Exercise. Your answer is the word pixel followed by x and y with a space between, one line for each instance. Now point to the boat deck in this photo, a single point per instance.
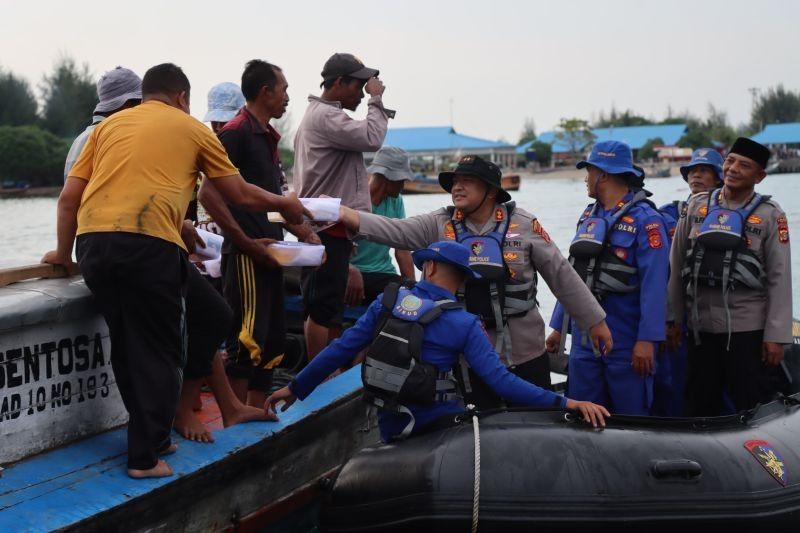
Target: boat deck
pixel 249 466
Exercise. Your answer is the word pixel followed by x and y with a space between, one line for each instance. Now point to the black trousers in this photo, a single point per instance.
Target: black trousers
pixel 713 370
pixel 139 285
pixel 257 342
pixel 209 320
pixel 536 371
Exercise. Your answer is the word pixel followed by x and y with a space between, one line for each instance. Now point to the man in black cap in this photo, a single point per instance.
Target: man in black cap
pixel 731 274
pixel 509 247
pixel 329 160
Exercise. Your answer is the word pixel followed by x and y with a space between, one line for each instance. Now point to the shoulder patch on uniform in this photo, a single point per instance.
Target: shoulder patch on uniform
pixel 652 226
pixel 754 219
pixel 449 231
pixel 628 219
pixel 703 211
pixel 539 230
pixel 654 236
pixel 783 229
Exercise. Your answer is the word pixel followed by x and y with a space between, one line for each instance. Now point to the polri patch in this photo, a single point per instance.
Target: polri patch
pixel 539 230
pixel 654 238
pixel 783 229
pixel 770 459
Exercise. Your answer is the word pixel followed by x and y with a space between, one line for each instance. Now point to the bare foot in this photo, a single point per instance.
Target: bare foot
pixel 172 448
pixel 197 405
pixel 190 428
pixel 246 413
pixel 162 469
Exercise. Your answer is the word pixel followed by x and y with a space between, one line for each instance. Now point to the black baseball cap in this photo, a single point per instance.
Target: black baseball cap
pixel 473 165
pixel 347 65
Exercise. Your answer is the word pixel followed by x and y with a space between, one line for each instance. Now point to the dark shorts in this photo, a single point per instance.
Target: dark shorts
pixel 324 287
pixel 375 283
pixel 257 341
pixel 208 322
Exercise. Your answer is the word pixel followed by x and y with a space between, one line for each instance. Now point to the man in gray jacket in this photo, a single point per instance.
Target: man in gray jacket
pixel 329 160
pixel 509 246
pixel 730 273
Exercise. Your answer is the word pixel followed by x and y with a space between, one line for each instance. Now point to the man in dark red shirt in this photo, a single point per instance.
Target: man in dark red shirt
pixel 253 288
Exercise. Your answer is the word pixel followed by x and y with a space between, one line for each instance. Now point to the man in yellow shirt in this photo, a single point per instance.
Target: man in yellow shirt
pixel 125 198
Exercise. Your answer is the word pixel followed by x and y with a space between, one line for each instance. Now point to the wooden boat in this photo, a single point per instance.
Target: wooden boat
pixel 62 458
pixel 546 471
pixel 425 185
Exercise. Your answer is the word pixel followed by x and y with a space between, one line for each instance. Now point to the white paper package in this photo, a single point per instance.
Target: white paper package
pixel 296 253
pixel 322 209
pixel 213 248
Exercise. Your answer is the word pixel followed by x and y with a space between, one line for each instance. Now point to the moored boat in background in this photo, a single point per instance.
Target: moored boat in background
pixel 422 184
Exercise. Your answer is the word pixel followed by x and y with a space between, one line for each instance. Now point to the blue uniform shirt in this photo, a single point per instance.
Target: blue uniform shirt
pixel 639 238
pixel 672 213
pixel 453 333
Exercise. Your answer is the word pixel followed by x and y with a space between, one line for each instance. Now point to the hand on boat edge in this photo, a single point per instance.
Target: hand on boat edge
pixel 284 395
pixel 592 413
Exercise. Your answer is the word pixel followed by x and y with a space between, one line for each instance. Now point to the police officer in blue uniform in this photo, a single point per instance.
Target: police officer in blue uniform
pixel 445 266
pixel 621 252
pixel 703 173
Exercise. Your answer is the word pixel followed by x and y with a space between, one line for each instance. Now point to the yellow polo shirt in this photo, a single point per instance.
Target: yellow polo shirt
pixel 141 165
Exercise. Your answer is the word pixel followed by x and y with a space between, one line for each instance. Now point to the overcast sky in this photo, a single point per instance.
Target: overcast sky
pixel 498 61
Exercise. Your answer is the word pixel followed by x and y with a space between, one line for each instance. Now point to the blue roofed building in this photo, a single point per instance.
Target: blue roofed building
pixel 441 145
pixel 772 134
pixel 635 136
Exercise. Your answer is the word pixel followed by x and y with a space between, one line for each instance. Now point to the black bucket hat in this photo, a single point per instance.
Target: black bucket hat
pixel 473 165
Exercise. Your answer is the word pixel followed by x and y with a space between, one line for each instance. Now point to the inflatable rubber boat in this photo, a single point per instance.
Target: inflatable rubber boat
pixel 526 470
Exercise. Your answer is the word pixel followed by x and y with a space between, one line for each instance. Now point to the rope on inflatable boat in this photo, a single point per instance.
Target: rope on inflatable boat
pixel 476 492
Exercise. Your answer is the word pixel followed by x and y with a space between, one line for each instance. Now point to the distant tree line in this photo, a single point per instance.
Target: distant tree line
pixel 36 133
pixel 775 105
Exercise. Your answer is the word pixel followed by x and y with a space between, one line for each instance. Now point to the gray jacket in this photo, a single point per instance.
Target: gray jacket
pixel 767 234
pixel 527 249
pixel 329 151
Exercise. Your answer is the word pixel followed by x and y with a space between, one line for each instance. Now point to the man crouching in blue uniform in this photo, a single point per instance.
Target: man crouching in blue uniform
pixel 451 333
pixel 621 251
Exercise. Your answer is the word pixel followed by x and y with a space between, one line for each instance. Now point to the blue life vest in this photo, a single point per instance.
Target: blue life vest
pixel 720 257
pixel 497 296
pixel 593 258
pixel 393 372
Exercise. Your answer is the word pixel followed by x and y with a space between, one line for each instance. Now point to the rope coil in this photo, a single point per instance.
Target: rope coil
pixel 476 493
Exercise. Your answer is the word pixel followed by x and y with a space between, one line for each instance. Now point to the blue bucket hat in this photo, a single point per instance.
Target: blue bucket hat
pixel 613 157
pixel 704 156
pixel 450 252
pixel 224 101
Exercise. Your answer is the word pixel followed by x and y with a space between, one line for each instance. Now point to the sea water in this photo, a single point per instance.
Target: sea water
pixel 29 224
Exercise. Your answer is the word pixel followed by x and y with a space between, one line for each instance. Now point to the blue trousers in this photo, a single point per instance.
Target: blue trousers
pixel 609 381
